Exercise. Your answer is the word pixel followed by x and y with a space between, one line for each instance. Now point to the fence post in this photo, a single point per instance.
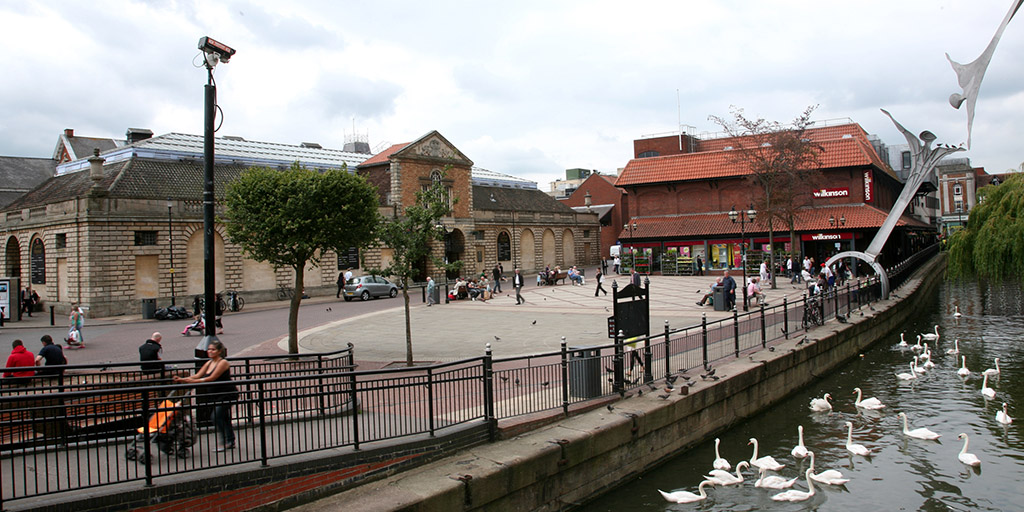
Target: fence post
pixel 620 371
pixel 804 321
pixel 668 352
pixel 430 400
pixel 835 301
pixel 736 330
pixel 248 406
pixel 849 303
pixel 320 381
pixel 353 397
pixel 262 397
pixel 648 373
pixel 565 379
pixel 704 336
pixel 147 454
pixel 489 394
pixel 764 333
pixel 785 317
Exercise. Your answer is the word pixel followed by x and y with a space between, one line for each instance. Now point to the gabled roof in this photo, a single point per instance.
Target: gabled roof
pixel 845 145
pixel 78 147
pixel 384 156
pixel 19 175
pixel 516 199
pixel 858 216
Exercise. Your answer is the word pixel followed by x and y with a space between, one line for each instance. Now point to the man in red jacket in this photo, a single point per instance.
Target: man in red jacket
pixel 20 358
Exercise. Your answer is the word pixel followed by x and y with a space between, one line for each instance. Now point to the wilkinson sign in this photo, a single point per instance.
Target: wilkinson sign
pixel 832 192
pixel 869 191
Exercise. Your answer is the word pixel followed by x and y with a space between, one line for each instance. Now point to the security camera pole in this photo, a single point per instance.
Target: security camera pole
pixel 213 52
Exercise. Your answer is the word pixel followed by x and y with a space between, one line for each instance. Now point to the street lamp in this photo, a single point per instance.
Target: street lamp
pixel 750 215
pixel 170 245
pixel 632 246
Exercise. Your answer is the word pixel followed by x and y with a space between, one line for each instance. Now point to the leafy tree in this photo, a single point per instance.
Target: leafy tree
pixel 288 218
pixel 409 234
pixel 782 161
pixel 992 243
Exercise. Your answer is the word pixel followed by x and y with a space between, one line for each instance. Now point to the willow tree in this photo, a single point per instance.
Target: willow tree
pixel 782 161
pixel 289 218
pixel 409 233
pixel 992 243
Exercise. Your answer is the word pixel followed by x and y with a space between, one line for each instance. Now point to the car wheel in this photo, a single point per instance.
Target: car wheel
pixel 394 293
pixel 348 299
pixel 365 296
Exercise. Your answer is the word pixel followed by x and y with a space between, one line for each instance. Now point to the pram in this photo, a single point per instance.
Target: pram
pixel 170 428
pixel 199 326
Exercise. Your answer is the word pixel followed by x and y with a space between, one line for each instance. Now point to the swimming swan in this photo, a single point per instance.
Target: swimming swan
pixel 918 433
pixel 686 496
pixel 767 462
pixel 967 458
pixel 856 449
pixel 796 495
pixel 720 463
pixel 829 476
pixel 821 404
pixel 1003 416
pixel 986 391
pixel 773 482
pixel 723 477
pixel 871 403
pixel 799 451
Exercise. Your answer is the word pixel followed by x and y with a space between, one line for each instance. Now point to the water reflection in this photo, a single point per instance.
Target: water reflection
pixel 902 472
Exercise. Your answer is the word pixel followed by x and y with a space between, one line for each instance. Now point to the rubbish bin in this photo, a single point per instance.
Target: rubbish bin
pixel 721 302
pixel 437 294
pixel 148 309
pixel 584 372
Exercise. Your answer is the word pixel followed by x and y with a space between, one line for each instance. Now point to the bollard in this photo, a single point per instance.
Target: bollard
pixel 51 316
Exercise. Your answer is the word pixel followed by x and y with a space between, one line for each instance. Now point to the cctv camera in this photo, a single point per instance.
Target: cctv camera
pixel 212 46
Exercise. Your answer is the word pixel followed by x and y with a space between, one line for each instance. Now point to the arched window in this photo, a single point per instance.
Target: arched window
pixel 504 247
pixel 37 257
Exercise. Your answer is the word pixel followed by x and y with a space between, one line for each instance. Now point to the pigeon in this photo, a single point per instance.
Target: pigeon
pixel 841 318
pixel 691 383
pixel 503 378
pixel 771 349
pixel 545 383
pixel 534 322
pixel 639 392
pixel 652 386
pixel 497 338
pixel 671 379
pixel 609 370
pixel 664 397
pixel 801 342
pixel 609 407
pixel 518 383
pixel 606 309
pixel 328 309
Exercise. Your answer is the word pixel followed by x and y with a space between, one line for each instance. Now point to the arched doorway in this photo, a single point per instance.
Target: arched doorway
pixel 527 251
pixel 13 258
pixel 454 249
pixel 568 248
pixel 548 255
pixel 504 248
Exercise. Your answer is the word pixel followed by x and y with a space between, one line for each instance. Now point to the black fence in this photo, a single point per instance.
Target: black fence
pixel 93 427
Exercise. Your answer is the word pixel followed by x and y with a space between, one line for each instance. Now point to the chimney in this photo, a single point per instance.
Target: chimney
pixel 69 132
pixel 96 168
pixel 134 135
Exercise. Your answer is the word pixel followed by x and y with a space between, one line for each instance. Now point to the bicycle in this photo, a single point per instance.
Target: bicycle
pixel 285 292
pixel 235 302
pixel 812 313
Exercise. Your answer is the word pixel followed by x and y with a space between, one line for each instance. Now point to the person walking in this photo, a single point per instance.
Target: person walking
pixel 77 321
pixel 221 395
pixel 20 358
pixel 517 284
pixel 615 264
pixel 341 285
pixel 151 351
pixel 600 281
pixel 431 286
pixel 50 355
pixel 496 275
pixel 635 278
pixel 26 301
pixel 700 265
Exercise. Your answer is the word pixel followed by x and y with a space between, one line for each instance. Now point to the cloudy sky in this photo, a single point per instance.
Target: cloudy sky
pixel 528 88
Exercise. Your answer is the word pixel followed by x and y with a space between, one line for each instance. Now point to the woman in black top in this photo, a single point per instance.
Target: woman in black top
pixel 223 394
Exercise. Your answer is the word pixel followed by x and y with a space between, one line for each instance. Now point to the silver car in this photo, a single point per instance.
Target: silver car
pixel 365 287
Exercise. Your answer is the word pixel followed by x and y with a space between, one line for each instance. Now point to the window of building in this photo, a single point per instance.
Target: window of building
pixel 435 178
pixel 958 189
pixel 648 154
pixel 61 241
pixel 586 233
pixel 958 206
pixel 38 259
pixel 504 247
pixel 145 238
pixel 906 159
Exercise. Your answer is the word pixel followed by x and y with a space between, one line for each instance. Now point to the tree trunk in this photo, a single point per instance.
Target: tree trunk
pixel 408 323
pixel 293 311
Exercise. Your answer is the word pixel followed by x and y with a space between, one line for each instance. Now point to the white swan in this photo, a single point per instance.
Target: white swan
pixel 992 371
pixel 967 458
pixel 829 476
pixel 926 353
pixel 956 312
pixel 723 477
pixel 927 336
pixel 821 404
pixel 795 495
pixel 903 342
pixel 917 368
pixel 1003 416
pixel 799 451
pixel 686 496
pixel 928 360
pixel 963 371
pixel 986 391
pixel 767 462
pixel 856 449
pixel 871 403
pixel 720 463
pixel 908 376
pixel 956 348
pixel 918 433
pixel 917 347
pixel 773 482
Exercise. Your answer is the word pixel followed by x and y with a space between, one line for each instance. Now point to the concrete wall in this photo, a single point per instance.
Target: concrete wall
pixel 581 457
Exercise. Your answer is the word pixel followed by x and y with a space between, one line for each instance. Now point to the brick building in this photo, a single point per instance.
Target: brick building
pixel 598 194
pixel 679 190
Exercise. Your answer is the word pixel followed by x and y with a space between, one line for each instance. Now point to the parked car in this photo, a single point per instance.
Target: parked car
pixel 365 287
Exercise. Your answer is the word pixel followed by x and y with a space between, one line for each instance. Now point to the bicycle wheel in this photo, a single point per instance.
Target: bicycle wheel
pixel 281 294
pixel 239 303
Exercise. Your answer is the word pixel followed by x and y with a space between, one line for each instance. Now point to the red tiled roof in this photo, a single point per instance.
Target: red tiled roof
pixel 858 216
pixel 383 156
pixel 842 146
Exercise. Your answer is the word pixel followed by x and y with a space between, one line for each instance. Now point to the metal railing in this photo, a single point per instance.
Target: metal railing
pixel 87 428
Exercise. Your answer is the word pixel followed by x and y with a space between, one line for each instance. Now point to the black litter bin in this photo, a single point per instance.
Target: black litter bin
pixel 437 294
pixel 721 302
pixel 148 309
pixel 584 372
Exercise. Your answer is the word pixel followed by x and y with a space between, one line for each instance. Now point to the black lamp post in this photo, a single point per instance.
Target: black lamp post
pixel 750 215
pixel 170 246
pixel 444 230
pixel 632 246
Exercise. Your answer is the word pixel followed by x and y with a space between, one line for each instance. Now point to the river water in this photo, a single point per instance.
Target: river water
pixel 903 473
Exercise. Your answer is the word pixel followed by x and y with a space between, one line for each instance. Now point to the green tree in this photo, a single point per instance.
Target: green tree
pixel 992 243
pixel 288 218
pixel 409 234
pixel 782 161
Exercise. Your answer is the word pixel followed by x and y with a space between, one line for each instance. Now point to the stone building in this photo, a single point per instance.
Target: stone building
pixel 126 224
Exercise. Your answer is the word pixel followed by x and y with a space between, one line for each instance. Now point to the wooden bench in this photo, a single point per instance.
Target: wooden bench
pixel 554 279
